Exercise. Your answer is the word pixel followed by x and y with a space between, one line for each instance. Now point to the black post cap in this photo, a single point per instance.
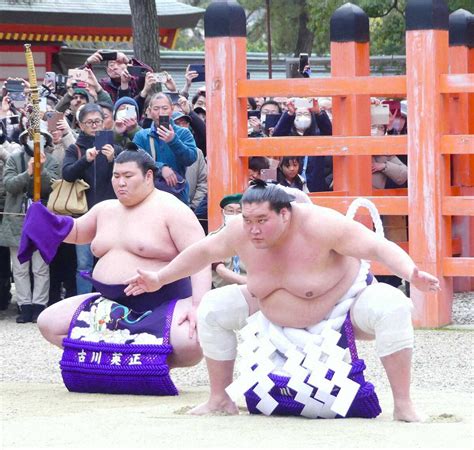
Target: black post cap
pixel 349 23
pixel 461 28
pixel 224 18
pixel 426 15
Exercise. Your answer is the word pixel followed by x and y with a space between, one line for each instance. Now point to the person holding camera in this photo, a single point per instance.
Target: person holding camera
pixel 305 118
pixel 93 165
pixel 125 115
pixel 172 147
pixel 76 96
pixel 18 183
pixel 121 81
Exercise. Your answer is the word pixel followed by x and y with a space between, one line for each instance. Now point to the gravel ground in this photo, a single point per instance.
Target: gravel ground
pixel 443 357
pixel 36 410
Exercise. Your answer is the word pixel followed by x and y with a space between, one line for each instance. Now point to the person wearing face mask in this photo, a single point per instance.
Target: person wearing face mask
pixel 303 121
pixel 18 183
pixel 230 270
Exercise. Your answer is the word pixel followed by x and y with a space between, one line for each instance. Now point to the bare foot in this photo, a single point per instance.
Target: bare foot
pixel 405 412
pixel 216 406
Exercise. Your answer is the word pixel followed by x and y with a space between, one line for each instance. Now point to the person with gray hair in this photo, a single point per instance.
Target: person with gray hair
pixel 93 165
pixel 172 147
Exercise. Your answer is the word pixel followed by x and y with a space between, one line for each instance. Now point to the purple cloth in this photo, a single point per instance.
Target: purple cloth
pixel 148 300
pixel 43 231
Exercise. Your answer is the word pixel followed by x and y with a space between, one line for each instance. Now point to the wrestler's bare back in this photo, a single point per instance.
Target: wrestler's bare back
pixel 127 238
pixel 296 284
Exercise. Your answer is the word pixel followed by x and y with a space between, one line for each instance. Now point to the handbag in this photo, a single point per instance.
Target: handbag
pixel 68 198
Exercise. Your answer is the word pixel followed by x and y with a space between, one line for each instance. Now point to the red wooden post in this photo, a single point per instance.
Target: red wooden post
pixel 226 63
pixel 428 171
pixel 349 31
pixel 461 38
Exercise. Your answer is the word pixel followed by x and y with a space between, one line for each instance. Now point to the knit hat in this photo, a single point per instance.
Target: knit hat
pixel 125 101
pixel 228 199
pixel 83 92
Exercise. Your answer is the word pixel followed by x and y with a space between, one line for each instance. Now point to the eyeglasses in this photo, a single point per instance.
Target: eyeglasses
pixel 96 122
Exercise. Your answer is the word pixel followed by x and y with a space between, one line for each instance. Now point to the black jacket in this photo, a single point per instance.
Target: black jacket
pixel 97 174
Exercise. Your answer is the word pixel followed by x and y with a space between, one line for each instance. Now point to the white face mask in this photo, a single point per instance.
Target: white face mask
pixel 375 131
pixel 302 122
pixel 228 218
pixel 31 145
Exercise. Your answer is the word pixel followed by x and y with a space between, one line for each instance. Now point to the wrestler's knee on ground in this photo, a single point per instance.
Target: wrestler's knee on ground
pixel 55 319
pixel 221 312
pixel 385 312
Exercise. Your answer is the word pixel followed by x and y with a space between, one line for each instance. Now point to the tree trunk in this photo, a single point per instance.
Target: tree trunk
pixel 304 43
pixel 145 27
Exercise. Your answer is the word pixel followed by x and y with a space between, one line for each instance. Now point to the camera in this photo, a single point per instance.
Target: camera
pixel 128 112
pixel 161 77
pixel 78 74
pixel 14 86
pixel 253 113
pixel 200 69
pixel 380 114
pixel 164 121
pixel 108 55
pixel 137 71
pixel 304 61
pixel 304 103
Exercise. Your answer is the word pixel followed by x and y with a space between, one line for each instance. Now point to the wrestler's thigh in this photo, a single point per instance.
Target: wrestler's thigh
pixel 180 333
pixel 186 350
pixel 55 319
pixel 361 307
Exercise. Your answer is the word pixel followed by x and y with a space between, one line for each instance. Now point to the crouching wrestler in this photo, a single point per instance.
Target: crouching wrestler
pixel 143 227
pixel 301 260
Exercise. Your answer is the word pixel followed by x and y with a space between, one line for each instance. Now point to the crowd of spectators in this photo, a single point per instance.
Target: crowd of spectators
pixel 135 107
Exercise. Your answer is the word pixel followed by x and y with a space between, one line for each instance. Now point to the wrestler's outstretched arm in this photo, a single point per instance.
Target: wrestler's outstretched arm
pixel 354 239
pixel 191 260
pixel 85 227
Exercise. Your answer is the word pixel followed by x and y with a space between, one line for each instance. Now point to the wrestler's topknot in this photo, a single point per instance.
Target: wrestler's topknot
pixel 138 155
pixel 261 192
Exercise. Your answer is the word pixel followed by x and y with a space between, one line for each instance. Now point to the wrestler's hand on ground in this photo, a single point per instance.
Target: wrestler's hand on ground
pixel 191 316
pixel 144 281
pixel 424 281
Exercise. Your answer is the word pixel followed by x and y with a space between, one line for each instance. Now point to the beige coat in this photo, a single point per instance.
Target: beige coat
pixel 396 170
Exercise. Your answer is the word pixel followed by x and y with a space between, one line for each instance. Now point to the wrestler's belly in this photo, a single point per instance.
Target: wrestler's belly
pixel 286 309
pixel 118 265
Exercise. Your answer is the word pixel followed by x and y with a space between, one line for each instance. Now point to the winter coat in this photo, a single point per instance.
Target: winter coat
pixel 97 174
pixel 19 187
